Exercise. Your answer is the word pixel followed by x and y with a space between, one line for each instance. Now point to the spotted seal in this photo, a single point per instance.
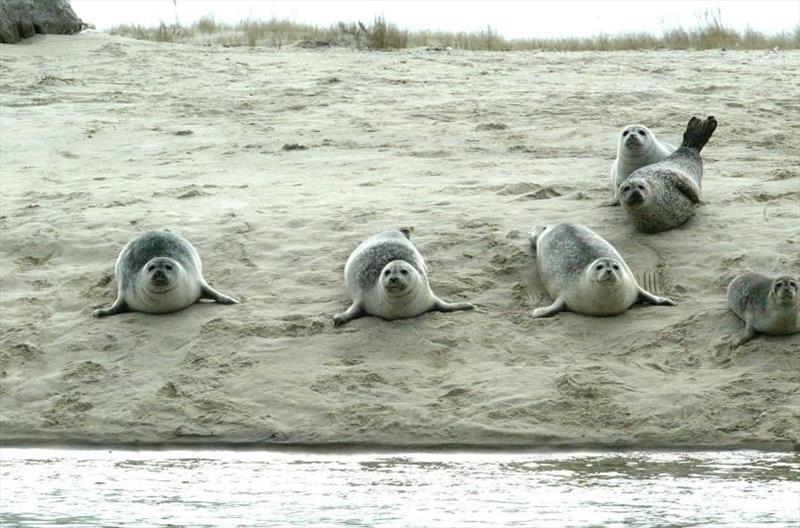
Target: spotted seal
pixel 767 305
pixel 583 273
pixel 663 195
pixel 159 272
pixel 637 147
pixel 386 276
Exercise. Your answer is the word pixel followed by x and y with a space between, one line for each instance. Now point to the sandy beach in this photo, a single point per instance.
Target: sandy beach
pixel 277 163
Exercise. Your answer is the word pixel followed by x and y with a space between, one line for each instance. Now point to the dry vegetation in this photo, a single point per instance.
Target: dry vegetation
pixel 710 33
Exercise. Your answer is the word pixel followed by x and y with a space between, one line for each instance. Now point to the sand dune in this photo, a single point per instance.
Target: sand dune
pixel 277 163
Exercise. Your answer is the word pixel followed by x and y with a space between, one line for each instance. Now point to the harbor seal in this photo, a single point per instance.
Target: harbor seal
pixel 583 273
pixel 767 305
pixel 159 272
pixel 637 147
pixel 386 276
pixel 663 195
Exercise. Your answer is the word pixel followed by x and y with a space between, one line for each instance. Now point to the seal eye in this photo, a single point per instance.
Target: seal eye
pixel 625 133
pixel 387 272
pixel 404 272
pixel 641 133
pixel 169 267
pixel 616 267
pixel 599 266
pixel 151 268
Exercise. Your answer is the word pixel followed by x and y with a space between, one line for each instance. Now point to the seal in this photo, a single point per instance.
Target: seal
pixel 637 147
pixel 767 305
pixel 159 272
pixel 386 276
pixel 583 273
pixel 663 195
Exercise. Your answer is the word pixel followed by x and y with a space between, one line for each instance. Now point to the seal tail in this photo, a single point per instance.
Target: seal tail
pixel 698 132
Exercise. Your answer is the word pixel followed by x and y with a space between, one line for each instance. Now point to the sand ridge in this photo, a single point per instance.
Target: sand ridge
pixel 105 137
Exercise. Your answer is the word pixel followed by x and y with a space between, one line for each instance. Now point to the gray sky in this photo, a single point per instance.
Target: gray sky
pixel 512 19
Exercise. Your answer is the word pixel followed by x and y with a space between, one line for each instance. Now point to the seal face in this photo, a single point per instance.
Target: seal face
pixel 583 273
pixel 159 272
pixel 767 305
pixel 637 147
pixel 663 195
pixel 386 276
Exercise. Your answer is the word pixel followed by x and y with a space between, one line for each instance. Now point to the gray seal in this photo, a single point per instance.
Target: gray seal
pixel 663 195
pixel 767 305
pixel 159 272
pixel 583 273
pixel 386 276
pixel 637 147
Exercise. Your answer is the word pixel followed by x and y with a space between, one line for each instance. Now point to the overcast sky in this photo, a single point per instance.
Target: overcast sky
pixel 511 19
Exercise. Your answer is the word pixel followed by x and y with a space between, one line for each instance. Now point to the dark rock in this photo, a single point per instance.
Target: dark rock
pixel 21 19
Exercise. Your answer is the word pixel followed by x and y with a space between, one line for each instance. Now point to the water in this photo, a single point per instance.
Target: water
pixel 48 487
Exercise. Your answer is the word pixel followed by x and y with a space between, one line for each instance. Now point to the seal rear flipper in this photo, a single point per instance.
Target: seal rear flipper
pixel 207 292
pixel 558 306
pixel 119 306
pixel 442 306
pixel 698 132
pixel 354 312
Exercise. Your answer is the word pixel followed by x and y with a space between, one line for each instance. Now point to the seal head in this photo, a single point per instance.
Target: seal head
pixel 634 192
pixel 784 289
pixel 397 278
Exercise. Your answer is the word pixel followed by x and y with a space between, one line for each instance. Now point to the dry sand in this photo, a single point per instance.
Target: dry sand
pixel 104 137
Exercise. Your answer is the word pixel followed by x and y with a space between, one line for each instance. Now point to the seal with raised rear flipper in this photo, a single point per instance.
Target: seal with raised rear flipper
pixel 637 147
pixel 664 195
pixel 159 272
pixel 583 273
pixel 767 305
pixel 386 276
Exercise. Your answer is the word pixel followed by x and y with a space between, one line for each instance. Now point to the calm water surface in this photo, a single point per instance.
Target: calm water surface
pixel 48 487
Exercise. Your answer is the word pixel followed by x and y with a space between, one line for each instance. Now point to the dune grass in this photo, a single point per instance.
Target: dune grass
pixel 710 33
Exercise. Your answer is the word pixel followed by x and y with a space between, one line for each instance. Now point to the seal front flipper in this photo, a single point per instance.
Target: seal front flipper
pixel 647 297
pixel 749 333
pixel 558 306
pixel 441 306
pixel 207 292
pixel 118 307
pixel 354 312
pixel 685 185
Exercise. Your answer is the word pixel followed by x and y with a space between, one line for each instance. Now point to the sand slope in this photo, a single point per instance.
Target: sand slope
pixel 103 137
